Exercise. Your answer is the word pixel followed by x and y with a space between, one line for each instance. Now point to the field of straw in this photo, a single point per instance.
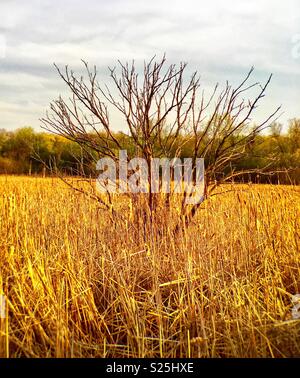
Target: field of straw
pixel 79 286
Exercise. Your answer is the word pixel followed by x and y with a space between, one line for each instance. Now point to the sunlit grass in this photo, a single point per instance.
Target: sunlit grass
pixel 79 286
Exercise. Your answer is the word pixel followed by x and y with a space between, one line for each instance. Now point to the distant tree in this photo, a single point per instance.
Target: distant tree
pixel 294 133
pixel 276 129
pixel 22 144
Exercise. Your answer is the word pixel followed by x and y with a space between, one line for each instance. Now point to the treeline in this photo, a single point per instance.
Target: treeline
pixel 26 151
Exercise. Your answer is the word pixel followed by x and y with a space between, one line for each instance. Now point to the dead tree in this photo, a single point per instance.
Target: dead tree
pixel 164 110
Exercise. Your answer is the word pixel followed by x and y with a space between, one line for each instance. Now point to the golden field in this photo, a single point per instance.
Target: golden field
pixel 78 285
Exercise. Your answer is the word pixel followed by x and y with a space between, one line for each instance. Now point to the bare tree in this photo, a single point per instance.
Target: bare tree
pixel 164 111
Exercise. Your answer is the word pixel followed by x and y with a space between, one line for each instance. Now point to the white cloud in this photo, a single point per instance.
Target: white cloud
pixel 221 39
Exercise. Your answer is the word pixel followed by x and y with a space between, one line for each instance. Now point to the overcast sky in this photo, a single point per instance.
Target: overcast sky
pixel 220 39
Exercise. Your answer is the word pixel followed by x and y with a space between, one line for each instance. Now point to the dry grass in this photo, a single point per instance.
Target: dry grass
pixel 78 286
